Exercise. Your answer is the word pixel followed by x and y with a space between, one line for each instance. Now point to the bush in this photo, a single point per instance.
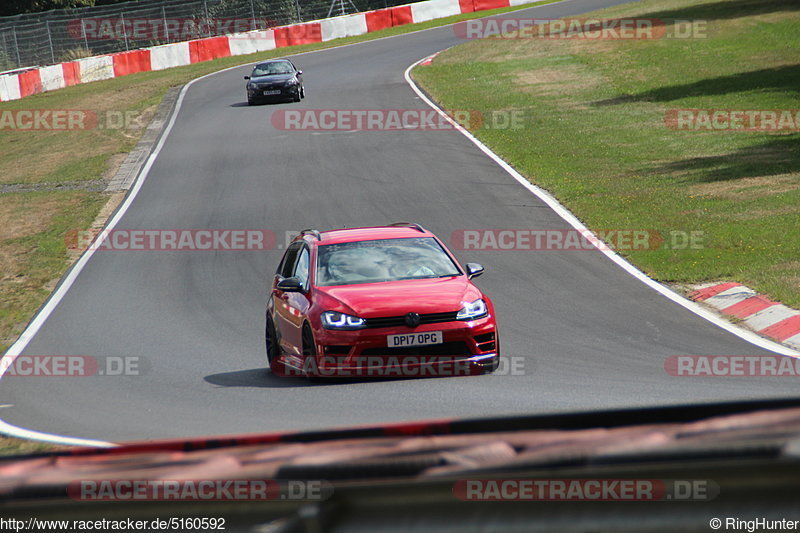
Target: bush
pixel 73 54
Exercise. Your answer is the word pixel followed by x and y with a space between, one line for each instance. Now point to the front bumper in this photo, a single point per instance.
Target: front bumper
pixel 286 92
pixel 468 348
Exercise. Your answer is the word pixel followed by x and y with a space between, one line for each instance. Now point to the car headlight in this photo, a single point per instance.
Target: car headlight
pixel 291 81
pixel 335 320
pixel 473 310
pixel 251 85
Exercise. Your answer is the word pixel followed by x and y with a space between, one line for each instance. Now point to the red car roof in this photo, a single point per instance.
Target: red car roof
pixel 365 234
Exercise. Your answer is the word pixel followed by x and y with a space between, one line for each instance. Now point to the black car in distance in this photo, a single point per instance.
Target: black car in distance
pixel 274 80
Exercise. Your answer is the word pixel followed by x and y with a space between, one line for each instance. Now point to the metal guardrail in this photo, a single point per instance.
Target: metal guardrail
pixel 67 34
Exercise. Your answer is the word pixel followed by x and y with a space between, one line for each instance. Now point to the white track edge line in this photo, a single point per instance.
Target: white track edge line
pixel 29 434
pixel 572 220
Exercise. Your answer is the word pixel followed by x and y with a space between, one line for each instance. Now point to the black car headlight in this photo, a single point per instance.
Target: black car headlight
pixel 473 310
pixel 341 321
pixel 291 82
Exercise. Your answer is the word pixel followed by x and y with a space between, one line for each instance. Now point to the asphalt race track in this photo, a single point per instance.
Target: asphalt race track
pixel 591 335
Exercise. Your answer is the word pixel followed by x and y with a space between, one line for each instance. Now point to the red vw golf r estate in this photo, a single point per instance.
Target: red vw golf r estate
pixel 387 301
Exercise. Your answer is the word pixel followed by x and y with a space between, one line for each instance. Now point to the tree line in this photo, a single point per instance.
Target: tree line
pixel 18 7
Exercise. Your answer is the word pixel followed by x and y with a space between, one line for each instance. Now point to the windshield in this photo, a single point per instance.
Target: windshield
pixel 382 260
pixel 270 69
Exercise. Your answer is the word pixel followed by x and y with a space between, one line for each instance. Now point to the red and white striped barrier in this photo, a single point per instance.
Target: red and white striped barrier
pixel 169 55
pixel 95 68
pixel 768 318
pixel 251 42
pixel 9 88
pixel 437 9
pixel 53 77
pixel 344 26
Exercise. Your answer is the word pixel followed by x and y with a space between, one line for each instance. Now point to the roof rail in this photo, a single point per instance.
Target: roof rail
pixel 409 225
pixel 313 232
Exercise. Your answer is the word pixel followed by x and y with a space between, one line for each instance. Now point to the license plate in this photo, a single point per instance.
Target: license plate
pixel 415 339
pixel 270 93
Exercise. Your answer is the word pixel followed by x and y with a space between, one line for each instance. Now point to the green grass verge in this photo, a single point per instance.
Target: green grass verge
pixel 9 446
pixel 595 135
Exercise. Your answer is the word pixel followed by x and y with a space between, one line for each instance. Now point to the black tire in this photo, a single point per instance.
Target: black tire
pixel 297 96
pixel 309 350
pixel 270 340
pixel 309 346
pixel 250 101
pixel 302 91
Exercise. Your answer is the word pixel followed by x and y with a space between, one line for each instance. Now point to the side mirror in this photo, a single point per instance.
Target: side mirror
pixel 247 77
pixel 299 72
pixel 290 285
pixel 474 270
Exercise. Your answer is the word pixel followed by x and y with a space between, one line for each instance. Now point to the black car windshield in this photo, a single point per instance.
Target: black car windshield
pixel 382 260
pixel 270 69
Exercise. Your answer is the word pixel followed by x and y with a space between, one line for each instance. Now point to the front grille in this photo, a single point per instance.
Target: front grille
pixel 456 348
pixel 394 321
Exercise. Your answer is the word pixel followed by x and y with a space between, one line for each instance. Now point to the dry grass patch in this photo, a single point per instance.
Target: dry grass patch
pixel 114 199
pixel 558 80
pixel 498 50
pixel 789 265
pixel 592 46
pixel 22 215
pixel 54 148
pixel 746 188
pixel 16 166
pixel 33 255
pixel 763 213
